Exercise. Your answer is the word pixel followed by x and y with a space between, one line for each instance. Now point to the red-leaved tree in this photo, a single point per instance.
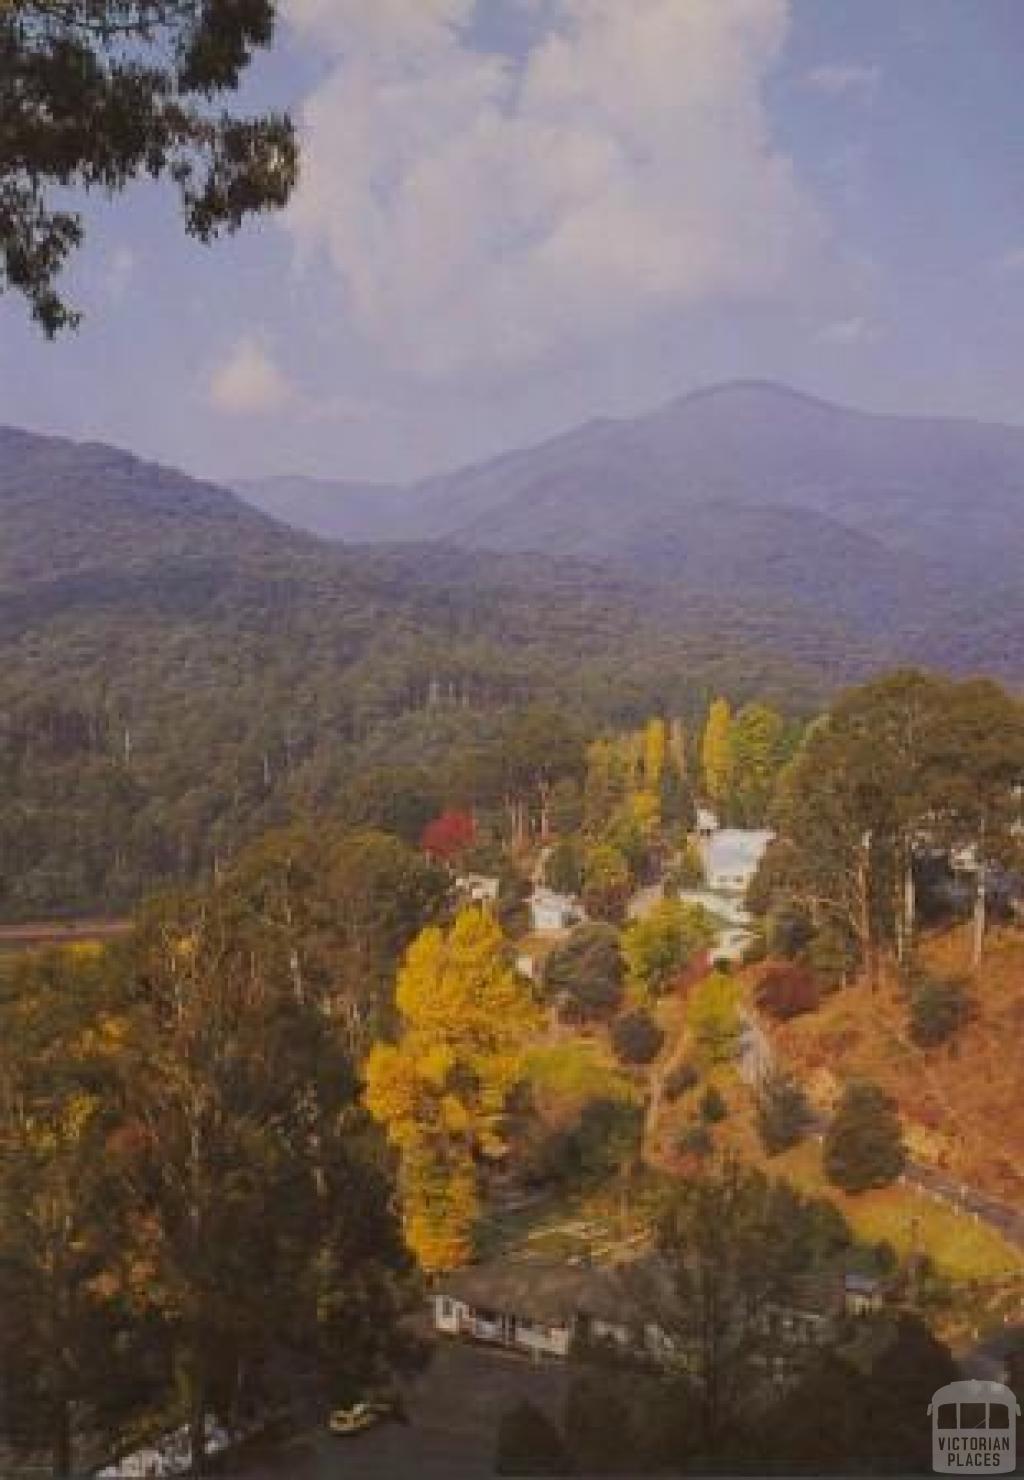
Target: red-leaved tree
pixel 449 835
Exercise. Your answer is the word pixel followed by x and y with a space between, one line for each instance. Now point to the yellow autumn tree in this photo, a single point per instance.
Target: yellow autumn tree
pixel 655 752
pixel 716 751
pixel 441 1090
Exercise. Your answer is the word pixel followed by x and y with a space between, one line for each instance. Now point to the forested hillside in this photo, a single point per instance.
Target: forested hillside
pixel 179 672
pixel 907 530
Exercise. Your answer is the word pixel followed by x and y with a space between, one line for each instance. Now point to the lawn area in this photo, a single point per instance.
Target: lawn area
pixel 907 1219
pixel 576 1069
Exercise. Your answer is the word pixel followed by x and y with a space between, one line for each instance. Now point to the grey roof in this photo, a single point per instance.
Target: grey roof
pixel 735 850
pixel 545 1291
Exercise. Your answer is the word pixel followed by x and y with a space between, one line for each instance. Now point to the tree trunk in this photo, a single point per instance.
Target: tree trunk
pixel 867 932
pixel 979 921
pixel 909 902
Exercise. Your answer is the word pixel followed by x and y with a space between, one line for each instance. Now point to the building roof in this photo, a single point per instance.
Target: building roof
pixel 551 1292
pixel 735 851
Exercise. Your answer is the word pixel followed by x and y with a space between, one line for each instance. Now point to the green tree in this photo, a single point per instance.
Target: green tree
pixel 658 946
pixel 583 976
pixel 606 882
pixel 713 1018
pixel 784 1116
pixel 939 1008
pixel 864 1143
pixel 71 1343
pixel 260 1207
pixel 146 75
pixel 756 750
pixel 736 1247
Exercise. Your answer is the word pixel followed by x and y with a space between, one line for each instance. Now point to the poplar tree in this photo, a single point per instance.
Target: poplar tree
pixel 441 1090
pixel 717 753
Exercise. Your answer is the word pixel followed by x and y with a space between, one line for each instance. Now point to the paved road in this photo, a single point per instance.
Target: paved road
pixel 454 1410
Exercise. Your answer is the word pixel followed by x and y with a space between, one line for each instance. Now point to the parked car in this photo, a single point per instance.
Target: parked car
pixel 346 1423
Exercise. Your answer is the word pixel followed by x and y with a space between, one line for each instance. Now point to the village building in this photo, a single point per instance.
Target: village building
pixel 478 888
pixel 551 912
pixel 732 857
pixel 536 1307
pixel 543 1308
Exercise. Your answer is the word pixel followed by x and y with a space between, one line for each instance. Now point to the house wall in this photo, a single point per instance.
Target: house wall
pixel 456 1318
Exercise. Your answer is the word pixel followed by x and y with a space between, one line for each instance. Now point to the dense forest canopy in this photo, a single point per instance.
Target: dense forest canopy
pixel 179 673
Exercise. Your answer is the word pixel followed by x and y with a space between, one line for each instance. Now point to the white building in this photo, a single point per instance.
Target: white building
pixel 732 857
pixel 478 888
pixel 533 1306
pixel 707 822
pixel 551 912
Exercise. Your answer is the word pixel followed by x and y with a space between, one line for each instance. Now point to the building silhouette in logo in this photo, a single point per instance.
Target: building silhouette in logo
pixel 974 1429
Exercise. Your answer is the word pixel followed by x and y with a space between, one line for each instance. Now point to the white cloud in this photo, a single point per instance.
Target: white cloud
pixel 248 383
pixel 483 213
pixel 846 79
pixel 852 331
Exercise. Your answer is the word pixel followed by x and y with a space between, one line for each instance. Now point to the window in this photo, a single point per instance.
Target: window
pixel 947 1416
pixel 998 1416
pixel 972 1416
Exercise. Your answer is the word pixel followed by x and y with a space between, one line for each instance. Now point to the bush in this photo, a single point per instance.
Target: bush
pixel 605 1138
pixel 938 1010
pixel 529 1443
pixel 789 931
pixel 713 1017
pixel 786 991
pixel 783 1114
pixel 712 1106
pixel 636 1038
pixel 695 1140
pixel 864 1145
pixel 682 1079
pixel 583 977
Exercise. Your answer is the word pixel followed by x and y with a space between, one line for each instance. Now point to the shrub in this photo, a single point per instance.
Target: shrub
pixel 864 1145
pixel 695 1140
pixel 712 1106
pixel 786 990
pixel 783 1114
pixel 529 1443
pixel 607 882
pixel 682 1079
pixel 789 931
pixel 938 1010
pixel 605 1137
pixel 636 1038
pixel 583 977
pixel 713 1017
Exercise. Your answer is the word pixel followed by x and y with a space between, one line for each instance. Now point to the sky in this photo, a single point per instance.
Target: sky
pixel 516 215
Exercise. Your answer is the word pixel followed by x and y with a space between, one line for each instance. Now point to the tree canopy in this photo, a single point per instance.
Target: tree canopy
pixel 96 93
